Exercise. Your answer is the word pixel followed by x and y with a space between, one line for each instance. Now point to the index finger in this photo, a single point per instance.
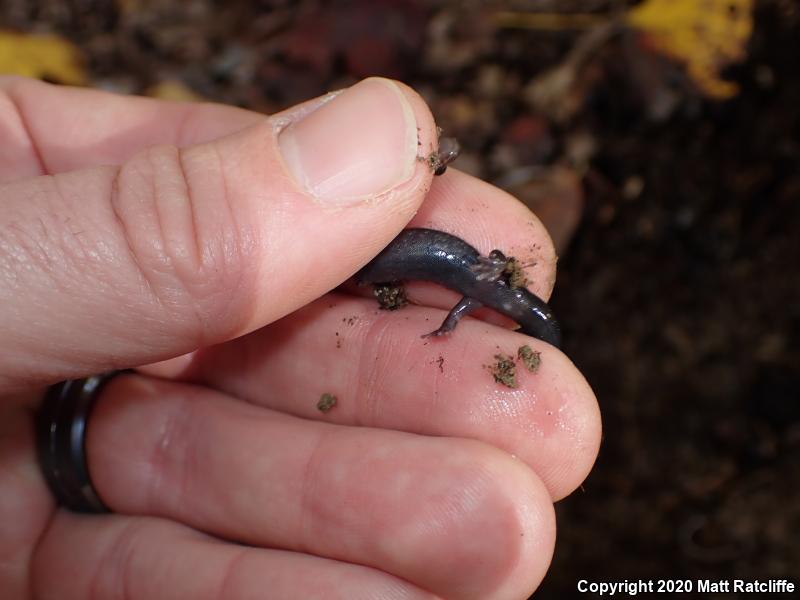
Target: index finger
pixel 51 129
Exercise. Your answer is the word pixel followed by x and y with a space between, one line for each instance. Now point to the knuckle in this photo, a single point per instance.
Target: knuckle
pixel 118 571
pixel 174 463
pixel 182 235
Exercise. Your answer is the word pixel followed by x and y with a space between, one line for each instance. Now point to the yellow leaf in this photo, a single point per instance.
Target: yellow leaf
pixel 706 35
pixel 41 56
pixel 172 89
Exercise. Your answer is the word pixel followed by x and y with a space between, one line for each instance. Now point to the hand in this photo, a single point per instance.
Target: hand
pixel 133 231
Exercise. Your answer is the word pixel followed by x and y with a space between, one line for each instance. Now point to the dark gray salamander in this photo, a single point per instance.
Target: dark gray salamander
pixel 436 256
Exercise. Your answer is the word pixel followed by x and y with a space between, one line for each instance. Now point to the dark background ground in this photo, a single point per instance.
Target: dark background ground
pixel 679 291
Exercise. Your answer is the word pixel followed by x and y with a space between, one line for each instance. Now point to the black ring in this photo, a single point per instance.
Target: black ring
pixel 61 433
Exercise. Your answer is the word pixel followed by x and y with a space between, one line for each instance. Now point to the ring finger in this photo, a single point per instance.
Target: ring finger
pixel 453 516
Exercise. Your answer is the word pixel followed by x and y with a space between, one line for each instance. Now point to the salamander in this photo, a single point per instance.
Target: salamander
pixel 439 257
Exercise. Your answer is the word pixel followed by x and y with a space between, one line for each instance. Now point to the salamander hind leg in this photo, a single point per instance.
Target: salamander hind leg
pixel 465 306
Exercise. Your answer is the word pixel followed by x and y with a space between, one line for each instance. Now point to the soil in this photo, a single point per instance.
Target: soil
pixel 679 291
pixel 682 306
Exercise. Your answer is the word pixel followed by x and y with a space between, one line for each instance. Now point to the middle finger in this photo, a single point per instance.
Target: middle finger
pixel 385 375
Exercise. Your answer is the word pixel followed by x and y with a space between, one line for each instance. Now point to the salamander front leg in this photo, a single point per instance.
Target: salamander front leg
pixel 465 306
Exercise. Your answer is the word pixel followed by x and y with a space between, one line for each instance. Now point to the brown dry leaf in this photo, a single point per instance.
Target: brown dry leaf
pixel 41 56
pixel 556 196
pixel 706 35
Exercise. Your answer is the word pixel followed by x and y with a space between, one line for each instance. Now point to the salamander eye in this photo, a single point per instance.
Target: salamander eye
pixel 496 255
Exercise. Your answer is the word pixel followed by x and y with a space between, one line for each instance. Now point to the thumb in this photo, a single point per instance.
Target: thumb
pixel 111 267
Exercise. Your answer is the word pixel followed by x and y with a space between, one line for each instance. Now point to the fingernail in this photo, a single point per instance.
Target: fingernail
pixel 356 146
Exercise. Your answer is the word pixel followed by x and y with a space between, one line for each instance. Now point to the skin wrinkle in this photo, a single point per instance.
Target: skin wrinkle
pixel 465 505
pixel 37 154
pixel 169 462
pixel 156 200
pixel 37 545
pixel 238 245
pixel 21 248
pixel 316 457
pixel 230 573
pixel 378 347
pixel 197 260
pixel 318 462
pixel 28 248
pixel 75 253
pixel 117 559
pixel 123 229
pixel 279 213
pixel 369 364
pixel 433 375
pixel 451 370
pixel 186 117
pixel 226 197
pixel 188 200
